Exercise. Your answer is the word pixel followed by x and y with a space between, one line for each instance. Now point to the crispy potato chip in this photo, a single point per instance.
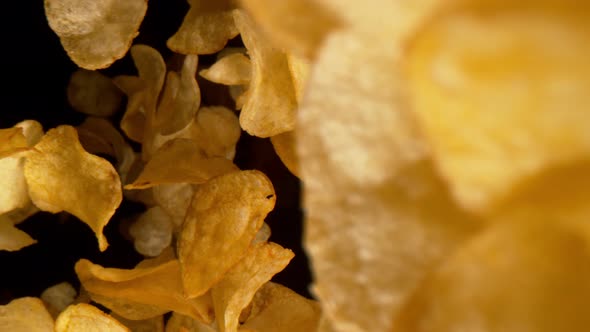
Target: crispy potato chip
pixel 27 314
pixel 155 324
pixel 12 238
pixel 235 291
pixel 58 297
pixel 175 199
pixel 277 308
pixel 300 70
pixel 233 69
pixel 217 131
pixel 12 140
pixel 224 216
pixel 270 107
pixel 92 93
pixel 59 173
pixel 150 289
pixel 180 161
pixel 85 317
pixel 295 25
pixel 207 27
pixel 263 234
pixel 182 323
pixel 152 232
pixel 284 145
pixel 95 33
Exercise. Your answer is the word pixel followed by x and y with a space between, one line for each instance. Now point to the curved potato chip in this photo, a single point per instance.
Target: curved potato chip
pixel 233 69
pixel 58 297
pixel 300 70
pixel 224 216
pixel 85 317
pixel 180 161
pixel 152 232
pixel 95 33
pixel 298 26
pixel 217 131
pixel 175 199
pixel 92 93
pixel 284 145
pixel 270 106
pixel 182 323
pixel 235 291
pixel 277 308
pixel 155 324
pixel 27 314
pixel 12 140
pixel 150 289
pixel 207 27
pixel 12 238
pixel 59 173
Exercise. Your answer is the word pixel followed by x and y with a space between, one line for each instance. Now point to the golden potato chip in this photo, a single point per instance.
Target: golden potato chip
pixel 233 69
pixel 537 76
pixel 150 289
pixel 277 308
pixel 12 238
pixel 207 27
pixel 58 297
pixel 152 232
pixel 175 199
pixel 182 323
pixel 527 276
pixel 295 25
pixel 27 314
pixel 92 93
pixel 155 324
pixel 235 291
pixel 59 174
pixel 300 70
pixel 12 140
pixel 180 161
pixel 95 33
pixel 217 131
pixel 239 94
pixel 225 214
pixel 263 234
pixel 284 145
pixel 85 317
pixel 270 106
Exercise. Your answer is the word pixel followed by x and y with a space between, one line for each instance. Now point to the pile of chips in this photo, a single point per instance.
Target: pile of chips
pixel 441 145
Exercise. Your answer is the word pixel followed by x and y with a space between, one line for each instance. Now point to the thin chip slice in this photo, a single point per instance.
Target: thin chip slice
pixel 180 161
pixel 95 33
pixel 27 314
pixel 233 69
pixel 284 145
pixel 175 199
pixel 207 27
pixel 85 317
pixel 225 214
pixel 12 140
pixel 270 106
pixel 58 297
pixel 155 324
pixel 217 131
pixel 59 174
pixel 182 323
pixel 12 238
pixel 92 93
pixel 152 232
pixel 237 288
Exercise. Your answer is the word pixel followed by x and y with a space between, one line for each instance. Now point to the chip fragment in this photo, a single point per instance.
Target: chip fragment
pixel 233 69
pixel 85 317
pixel 27 314
pixel 59 173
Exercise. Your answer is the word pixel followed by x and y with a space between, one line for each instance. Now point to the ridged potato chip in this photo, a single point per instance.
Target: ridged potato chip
pixel 207 27
pixel 92 93
pixel 59 174
pixel 233 69
pixel 27 314
pixel 95 33
pixel 237 288
pixel 85 317
pixel 225 214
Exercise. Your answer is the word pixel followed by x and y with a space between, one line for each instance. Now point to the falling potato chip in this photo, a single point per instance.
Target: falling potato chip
pixel 12 140
pixel 92 93
pixel 235 291
pixel 150 289
pixel 180 161
pixel 284 145
pixel 59 173
pixel 225 214
pixel 58 297
pixel 155 324
pixel 217 131
pixel 270 106
pixel 233 69
pixel 27 314
pixel 175 199
pixel 12 238
pixel 152 232
pixel 95 33
pixel 295 25
pixel 182 323
pixel 85 317
pixel 277 308
pixel 207 27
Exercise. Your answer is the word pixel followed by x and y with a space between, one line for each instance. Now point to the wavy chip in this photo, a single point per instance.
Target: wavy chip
pixel 284 145
pixel 59 173
pixel 27 314
pixel 85 317
pixel 270 105
pixel 181 161
pixel 233 69
pixel 175 199
pixel 95 33
pixel 92 93
pixel 206 28
pixel 237 288
pixel 225 214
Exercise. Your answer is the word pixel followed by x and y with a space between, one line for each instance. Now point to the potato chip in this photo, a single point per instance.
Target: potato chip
pixel 12 140
pixel 235 291
pixel 224 216
pixel 58 297
pixel 92 93
pixel 295 25
pixel 12 238
pixel 270 107
pixel 152 232
pixel 182 323
pixel 180 161
pixel 537 76
pixel 59 174
pixel 85 317
pixel 217 131
pixel 263 234
pixel 284 145
pixel 277 308
pixel 233 69
pixel 155 324
pixel 95 33
pixel 27 314
pixel 150 289
pixel 207 27
pixel 175 199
